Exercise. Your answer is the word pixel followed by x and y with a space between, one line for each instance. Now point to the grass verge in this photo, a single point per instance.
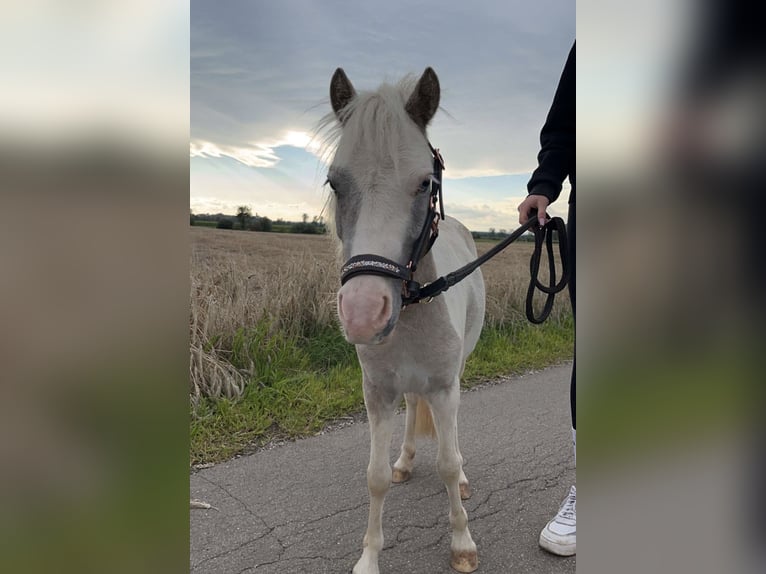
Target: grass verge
pixel 300 383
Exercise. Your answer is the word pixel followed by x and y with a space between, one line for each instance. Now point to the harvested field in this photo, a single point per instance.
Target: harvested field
pixel 243 280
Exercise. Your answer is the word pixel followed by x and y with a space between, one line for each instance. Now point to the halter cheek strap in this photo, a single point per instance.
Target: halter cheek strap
pixel 430 230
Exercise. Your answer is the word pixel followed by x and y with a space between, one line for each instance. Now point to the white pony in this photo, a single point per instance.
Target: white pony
pixel 380 175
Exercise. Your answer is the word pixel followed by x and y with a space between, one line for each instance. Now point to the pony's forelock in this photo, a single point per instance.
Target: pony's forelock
pixel 372 117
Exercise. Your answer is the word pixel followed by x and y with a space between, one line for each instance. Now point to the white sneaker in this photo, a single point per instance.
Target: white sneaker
pixel 560 535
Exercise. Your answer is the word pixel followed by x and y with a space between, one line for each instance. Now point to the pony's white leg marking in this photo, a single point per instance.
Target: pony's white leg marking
pixel 405 462
pixel 378 482
pixel 444 406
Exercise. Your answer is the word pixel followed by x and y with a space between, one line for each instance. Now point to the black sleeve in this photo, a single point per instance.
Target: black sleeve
pixel 556 159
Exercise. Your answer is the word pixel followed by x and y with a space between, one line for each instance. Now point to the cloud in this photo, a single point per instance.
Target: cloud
pixel 261 154
pixel 254 156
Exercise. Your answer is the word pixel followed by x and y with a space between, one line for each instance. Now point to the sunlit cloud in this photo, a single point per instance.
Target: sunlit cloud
pixel 259 154
pixel 256 156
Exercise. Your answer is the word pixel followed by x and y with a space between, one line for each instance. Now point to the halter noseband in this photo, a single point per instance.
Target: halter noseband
pixel 370 264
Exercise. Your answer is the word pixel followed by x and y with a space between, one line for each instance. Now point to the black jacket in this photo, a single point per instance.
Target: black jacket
pixel 556 159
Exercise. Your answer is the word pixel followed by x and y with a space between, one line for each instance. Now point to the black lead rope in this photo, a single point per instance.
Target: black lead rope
pixel 546 235
pixel 413 292
pixel 543 235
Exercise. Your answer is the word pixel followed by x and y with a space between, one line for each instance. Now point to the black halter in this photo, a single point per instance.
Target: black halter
pixel 413 292
pixel 370 264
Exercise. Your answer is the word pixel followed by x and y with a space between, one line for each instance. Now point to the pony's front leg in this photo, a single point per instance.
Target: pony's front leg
pixel 444 406
pixel 465 486
pixel 380 413
pixel 405 462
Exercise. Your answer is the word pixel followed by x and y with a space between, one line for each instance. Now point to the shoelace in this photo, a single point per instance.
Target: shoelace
pixel 569 506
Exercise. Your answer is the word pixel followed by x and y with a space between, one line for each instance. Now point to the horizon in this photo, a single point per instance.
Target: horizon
pixel 323 221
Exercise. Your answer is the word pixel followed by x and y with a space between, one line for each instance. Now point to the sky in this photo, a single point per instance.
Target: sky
pixel 260 76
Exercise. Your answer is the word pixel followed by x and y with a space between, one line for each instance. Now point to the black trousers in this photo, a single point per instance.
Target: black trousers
pixel 572 284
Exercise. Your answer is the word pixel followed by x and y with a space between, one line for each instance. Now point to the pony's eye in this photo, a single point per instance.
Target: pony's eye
pixel 329 182
pixel 424 185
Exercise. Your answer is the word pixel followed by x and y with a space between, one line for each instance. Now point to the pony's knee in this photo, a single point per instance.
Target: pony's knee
pixel 378 479
pixel 448 469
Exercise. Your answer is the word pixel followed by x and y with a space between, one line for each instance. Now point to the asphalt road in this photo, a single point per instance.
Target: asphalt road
pixel 301 508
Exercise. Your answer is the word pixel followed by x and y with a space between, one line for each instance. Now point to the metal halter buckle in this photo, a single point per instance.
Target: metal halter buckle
pixel 438 155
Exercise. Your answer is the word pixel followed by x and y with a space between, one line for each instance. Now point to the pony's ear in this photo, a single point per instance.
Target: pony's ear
pixel 341 92
pixel 424 100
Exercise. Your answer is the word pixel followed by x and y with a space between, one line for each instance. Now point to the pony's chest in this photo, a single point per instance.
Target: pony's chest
pixel 418 351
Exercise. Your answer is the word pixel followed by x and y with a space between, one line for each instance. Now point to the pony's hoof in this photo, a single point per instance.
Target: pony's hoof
pixel 400 476
pixel 465 491
pixel 466 561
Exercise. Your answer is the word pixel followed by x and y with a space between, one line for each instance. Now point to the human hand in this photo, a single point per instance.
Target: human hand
pixel 527 207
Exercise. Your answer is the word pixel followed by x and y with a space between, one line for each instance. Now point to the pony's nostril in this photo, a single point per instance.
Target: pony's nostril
pixel 340 306
pixel 385 312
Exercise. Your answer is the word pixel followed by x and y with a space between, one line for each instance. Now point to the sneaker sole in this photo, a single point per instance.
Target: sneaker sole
pixel 557 548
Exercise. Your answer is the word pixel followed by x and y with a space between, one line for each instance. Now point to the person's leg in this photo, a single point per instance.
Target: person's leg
pixel 571 285
pixel 560 535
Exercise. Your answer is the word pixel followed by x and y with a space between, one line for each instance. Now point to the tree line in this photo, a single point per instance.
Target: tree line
pixel 495 234
pixel 246 221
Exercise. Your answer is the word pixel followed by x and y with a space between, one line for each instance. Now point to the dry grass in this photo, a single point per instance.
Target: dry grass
pixel 242 280
pixel 238 281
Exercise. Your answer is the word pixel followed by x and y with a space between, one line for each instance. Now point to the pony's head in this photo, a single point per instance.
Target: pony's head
pixel 380 175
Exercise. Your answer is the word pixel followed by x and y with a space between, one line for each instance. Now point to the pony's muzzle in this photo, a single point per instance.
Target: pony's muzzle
pixel 367 309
